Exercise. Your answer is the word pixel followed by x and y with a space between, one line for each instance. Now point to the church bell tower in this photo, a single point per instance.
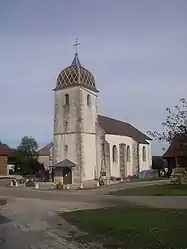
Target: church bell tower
pixel 75 119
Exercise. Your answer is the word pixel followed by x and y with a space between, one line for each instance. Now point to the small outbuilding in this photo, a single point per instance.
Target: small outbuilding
pixel 62 172
pixel 176 154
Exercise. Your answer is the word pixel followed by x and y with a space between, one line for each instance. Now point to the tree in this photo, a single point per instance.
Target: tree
pixel 30 166
pixel 25 157
pixel 174 125
pixel 28 147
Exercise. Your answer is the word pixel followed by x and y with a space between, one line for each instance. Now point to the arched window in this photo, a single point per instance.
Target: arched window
pixel 128 154
pixel 67 99
pixel 144 153
pixel 88 100
pixel 115 154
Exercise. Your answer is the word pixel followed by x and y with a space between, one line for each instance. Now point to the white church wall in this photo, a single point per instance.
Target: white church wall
pixel 131 167
pixel 149 153
pixel 89 111
pixel 89 117
pixel 89 154
pixel 66 117
pixel 65 125
pixel 135 158
pixel 63 113
pixel 144 161
pixel 115 166
pixel 64 122
pixel 99 134
pixel 65 147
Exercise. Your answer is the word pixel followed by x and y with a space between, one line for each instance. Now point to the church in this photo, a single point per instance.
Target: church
pixel 86 145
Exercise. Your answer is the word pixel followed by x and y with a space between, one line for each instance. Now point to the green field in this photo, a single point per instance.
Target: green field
pixel 132 227
pixel 155 190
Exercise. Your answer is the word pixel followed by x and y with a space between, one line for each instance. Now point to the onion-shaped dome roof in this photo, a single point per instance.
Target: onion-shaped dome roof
pixel 75 75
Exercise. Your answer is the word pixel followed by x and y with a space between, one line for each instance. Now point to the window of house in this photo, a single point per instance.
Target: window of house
pixel 88 100
pixel 144 153
pixel 128 154
pixel 67 99
pixel 115 154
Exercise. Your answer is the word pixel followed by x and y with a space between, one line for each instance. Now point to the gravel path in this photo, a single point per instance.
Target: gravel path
pixel 31 224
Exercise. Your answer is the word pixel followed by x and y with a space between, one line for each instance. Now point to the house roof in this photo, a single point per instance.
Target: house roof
pixel 176 148
pixel 117 127
pixel 3 151
pixel 63 164
pixel 45 151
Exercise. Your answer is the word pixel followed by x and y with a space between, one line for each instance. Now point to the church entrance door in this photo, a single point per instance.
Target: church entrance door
pixel 67 176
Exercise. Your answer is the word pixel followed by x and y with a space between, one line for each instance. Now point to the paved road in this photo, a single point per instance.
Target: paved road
pixel 97 196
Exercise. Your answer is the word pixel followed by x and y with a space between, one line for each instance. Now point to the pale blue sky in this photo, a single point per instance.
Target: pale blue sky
pixel 135 49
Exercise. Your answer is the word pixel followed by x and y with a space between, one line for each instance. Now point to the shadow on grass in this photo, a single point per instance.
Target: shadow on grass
pixel 131 227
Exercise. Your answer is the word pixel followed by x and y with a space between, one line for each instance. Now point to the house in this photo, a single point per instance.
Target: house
pixel 3 160
pixel 176 154
pixel 45 155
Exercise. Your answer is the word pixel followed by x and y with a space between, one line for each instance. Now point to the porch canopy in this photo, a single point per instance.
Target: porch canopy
pixel 64 164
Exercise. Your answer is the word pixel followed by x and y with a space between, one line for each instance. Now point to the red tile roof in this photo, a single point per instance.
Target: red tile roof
pixel 3 150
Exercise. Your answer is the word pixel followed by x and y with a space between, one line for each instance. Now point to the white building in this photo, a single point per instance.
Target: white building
pixel 91 145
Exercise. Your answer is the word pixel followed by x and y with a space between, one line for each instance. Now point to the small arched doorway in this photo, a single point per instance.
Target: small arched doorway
pixel 62 171
pixel 67 175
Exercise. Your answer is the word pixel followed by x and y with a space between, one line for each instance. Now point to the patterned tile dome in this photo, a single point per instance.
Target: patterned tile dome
pixel 75 75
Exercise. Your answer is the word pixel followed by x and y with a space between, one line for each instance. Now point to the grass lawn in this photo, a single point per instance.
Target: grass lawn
pixel 155 190
pixel 3 202
pixel 132 227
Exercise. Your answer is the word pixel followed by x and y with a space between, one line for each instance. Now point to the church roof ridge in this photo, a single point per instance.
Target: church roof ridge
pixel 118 127
pixel 115 119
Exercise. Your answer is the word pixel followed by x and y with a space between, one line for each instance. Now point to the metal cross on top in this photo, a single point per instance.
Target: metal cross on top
pixel 76 45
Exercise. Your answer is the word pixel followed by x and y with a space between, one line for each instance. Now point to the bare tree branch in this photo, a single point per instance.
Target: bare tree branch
pixel 175 124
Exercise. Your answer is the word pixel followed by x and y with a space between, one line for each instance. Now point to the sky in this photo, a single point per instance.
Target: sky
pixel 135 49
